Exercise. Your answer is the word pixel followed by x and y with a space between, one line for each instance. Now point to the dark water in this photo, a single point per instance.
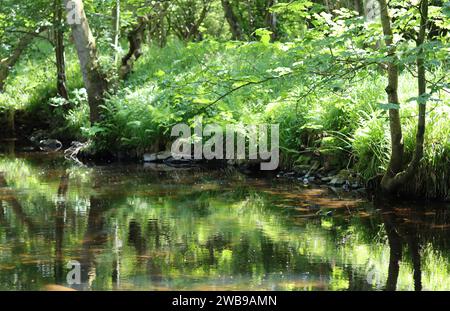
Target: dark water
pixel 154 228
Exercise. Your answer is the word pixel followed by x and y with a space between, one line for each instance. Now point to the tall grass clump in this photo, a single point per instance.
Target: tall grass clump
pixel 371 144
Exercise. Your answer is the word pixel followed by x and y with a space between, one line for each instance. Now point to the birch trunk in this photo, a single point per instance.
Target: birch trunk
pixel 94 80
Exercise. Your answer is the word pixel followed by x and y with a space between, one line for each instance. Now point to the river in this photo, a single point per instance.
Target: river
pixel 153 227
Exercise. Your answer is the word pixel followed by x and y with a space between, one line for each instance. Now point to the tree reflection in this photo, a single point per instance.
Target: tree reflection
pixel 93 241
pixel 10 197
pixel 59 227
pixel 401 231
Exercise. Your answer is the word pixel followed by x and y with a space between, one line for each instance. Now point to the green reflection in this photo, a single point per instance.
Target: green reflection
pixel 156 228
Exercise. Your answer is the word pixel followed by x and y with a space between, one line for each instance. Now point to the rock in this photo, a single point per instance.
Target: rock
pixel 337 181
pixel 346 186
pixel 37 136
pixel 163 155
pixel 305 181
pixel 315 166
pixel 28 149
pixel 289 175
pixel 302 169
pixel 332 173
pixel 361 191
pixel 326 179
pixel 355 186
pixel 157 157
pixel 150 157
pixel 50 145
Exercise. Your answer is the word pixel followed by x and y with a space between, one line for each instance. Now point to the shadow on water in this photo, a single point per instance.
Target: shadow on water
pixel 132 227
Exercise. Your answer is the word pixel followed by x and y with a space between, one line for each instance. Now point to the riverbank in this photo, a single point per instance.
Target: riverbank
pixel 334 128
pixel 342 183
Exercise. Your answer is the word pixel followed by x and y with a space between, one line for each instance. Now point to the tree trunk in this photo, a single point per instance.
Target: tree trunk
pixel 396 161
pixel 94 80
pixel 162 30
pixel 232 20
pixel 271 19
pixel 328 6
pixel 116 30
pixel 135 39
pixel 371 10
pixel 422 84
pixel 59 51
pixel 157 29
pixel 194 30
pixel 9 62
pixel 359 7
pixel 396 176
pixel 251 20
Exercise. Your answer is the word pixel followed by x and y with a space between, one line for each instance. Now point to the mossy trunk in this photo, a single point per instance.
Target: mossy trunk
pixel 397 175
pixel 397 149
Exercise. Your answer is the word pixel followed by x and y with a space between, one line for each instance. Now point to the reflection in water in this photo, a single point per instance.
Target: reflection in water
pixel 59 227
pixel 401 232
pixel 153 228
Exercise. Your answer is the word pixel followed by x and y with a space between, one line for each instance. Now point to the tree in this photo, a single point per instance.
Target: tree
pixel 271 19
pixel 58 33
pixel 135 40
pixel 188 16
pixel 116 29
pixel 232 20
pixel 10 61
pixel 396 174
pixel 95 80
pixel 245 17
pixel 16 34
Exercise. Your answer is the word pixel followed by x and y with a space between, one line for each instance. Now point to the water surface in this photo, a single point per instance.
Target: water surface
pixel 135 227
